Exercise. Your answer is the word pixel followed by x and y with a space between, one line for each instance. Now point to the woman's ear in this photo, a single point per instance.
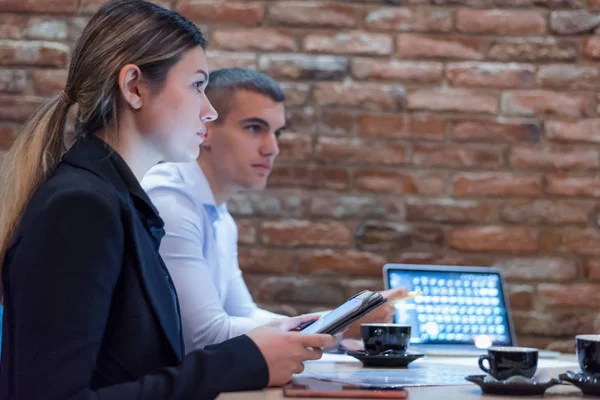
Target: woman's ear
pixel 131 86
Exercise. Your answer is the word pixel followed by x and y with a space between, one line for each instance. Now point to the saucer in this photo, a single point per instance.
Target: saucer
pixel 519 388
pixel 588 384
pixel 385 359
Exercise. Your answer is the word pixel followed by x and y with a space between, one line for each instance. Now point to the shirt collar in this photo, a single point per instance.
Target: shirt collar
pixel 196 180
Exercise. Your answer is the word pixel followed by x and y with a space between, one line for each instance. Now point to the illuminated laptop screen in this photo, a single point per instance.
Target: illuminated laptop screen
pixel 454 308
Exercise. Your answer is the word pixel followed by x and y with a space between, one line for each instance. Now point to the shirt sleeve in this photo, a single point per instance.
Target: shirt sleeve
pixel 203 316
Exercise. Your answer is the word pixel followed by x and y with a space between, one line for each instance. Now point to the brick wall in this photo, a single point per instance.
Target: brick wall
pixel 422 131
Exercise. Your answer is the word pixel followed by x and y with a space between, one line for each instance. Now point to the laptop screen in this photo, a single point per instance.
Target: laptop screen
pixel 457 305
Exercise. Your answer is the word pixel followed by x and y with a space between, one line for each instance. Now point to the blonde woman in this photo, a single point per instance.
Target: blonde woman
pixel 90 309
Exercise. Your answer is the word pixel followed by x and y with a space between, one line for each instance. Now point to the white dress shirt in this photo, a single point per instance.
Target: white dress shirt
pixel 200 251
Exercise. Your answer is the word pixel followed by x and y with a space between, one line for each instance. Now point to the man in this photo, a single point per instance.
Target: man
pixel 200 245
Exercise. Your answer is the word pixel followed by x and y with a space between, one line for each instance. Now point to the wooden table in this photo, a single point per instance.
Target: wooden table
pixel 465 392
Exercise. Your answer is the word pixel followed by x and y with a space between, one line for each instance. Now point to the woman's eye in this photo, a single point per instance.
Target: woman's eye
pixel 199 85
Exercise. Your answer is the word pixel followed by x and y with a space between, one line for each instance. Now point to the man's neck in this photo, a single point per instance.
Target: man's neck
pixel 221 188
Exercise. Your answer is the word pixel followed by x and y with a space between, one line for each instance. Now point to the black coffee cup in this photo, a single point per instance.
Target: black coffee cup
pixel 588 353
pixel 378 338
pixel 510 361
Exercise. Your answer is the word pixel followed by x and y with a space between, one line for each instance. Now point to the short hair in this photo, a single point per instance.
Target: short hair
pixel 225 82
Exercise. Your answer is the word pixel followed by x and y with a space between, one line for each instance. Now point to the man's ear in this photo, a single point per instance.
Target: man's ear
pixel 131 85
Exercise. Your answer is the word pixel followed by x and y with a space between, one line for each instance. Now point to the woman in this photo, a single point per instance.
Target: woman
pixel 90 309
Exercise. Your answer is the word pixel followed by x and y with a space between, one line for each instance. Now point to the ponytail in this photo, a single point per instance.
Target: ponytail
pixel 31 159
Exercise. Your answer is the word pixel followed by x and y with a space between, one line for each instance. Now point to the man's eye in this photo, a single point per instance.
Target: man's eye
pixel 253 128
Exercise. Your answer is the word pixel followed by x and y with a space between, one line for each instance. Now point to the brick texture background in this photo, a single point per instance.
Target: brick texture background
pixel 422 131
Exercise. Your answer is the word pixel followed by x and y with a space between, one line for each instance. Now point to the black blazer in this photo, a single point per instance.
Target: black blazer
pixel 90 309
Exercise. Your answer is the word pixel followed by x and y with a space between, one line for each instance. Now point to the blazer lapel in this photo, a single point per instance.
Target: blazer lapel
pixel 159 289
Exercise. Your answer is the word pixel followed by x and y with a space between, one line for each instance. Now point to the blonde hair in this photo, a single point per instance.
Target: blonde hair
pixel 122 32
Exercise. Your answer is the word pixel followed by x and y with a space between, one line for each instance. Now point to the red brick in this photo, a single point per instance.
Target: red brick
pixel 553 157
pixel 591 47
pixel 91 6
pixel 450 210
pixel 573 4
pixel 13 80
pixel 569 77
pixel 325 178
pixel 41 7
pixel 76 26
pixel 582 186
pixel 396 126
pixel 494 238
pixel 291 233
pixel 520 297
pixel 265 261
pixel 501 130
pixel 496 184
pixel 268 203
pixel 8 134
pixel 573 22
pixel 382 125
pixel 453 100
pixel 312 13
pixel 553 324
pixel 501 22
pixel 46 28
pixel 435 155
pixel 11 26
pixel 296 94
pixel 300 290
pixel 254 39
pixel 333 122
pixel 401 71
pixel 299 66
pixel 218 12
pixel 422 46
pixel 541 102
pixel 533 49
pixel 547 211
pixel 349 42
pixel 594 4
pixel 48 82
pixel 246 231
pixel 492 75
pixel 336 206
pixel 364 95
pixel 408 182
pixel 572 240
pixel 538 269
pixel 300 119
pixel 427 127
pixel 592 268
pixel 223 59
pixel 410 20
pixel 379 236
pixel 33 53
pixel 467 3
pixel 294 147
pixel 586 295
pixel 352 151
pixel 336 263
pixel 19 108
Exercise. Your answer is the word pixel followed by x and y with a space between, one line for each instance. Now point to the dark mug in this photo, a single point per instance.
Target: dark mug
pixel 378 338
pixel 505 362
pixel 588 353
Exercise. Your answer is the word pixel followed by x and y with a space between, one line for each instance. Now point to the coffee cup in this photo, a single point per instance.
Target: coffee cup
pixel 508 361
pixel 588 353
pixel 378 338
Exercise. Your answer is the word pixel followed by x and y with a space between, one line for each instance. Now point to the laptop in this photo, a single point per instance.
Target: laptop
pixel 461 311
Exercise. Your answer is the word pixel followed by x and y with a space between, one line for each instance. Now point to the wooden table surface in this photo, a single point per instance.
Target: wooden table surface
pixel 463 392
